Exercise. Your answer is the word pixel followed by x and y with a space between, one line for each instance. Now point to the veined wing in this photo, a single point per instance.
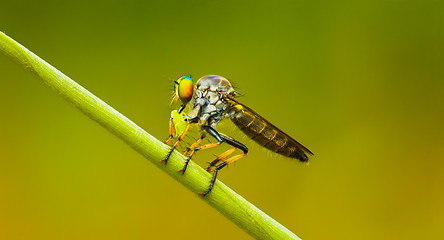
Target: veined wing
pixel 264 132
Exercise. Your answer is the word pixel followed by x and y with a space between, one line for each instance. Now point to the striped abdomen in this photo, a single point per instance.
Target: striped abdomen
pixel 265 133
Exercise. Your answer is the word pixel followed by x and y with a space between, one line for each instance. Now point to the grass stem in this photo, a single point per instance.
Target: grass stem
pixel 223 199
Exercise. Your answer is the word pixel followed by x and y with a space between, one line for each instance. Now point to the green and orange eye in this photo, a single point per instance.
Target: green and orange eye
pixel 184 89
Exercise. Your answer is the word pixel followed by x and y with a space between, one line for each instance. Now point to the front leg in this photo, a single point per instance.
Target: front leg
pixel 171 125
pixel 177 121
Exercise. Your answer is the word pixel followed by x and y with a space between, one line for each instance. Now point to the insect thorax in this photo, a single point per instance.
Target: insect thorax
pixel 209 101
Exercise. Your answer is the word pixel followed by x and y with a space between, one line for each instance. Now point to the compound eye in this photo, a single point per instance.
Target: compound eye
pixel 184 89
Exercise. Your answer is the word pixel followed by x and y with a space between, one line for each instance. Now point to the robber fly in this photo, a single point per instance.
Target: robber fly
pixel 212 99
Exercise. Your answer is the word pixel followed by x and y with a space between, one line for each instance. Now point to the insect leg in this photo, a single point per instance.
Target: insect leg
pixel 235 144
pixel 186 151
pixel 193 145
pixel 213 133
pixel 210 145
pixel 170 137
pixel 177 143
pixel 170 130
pixel 182 107
pixel 218 159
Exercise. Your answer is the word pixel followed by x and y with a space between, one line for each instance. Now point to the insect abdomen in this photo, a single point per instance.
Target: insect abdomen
pixel 266 134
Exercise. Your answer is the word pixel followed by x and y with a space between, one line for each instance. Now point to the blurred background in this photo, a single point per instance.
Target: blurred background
pixel 359 83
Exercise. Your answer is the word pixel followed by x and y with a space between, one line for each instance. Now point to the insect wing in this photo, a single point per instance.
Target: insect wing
pixel 249 111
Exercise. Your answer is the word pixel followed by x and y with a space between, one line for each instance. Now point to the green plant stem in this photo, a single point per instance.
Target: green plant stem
pixel 223 199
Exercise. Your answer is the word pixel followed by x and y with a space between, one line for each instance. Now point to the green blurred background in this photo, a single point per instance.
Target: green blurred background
pixel 360 83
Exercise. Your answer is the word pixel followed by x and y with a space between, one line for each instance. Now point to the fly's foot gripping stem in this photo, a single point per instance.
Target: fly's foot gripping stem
pixel 210 145
pixel 218 168
pixel 222 138
pixel 213 179
pixel 181 123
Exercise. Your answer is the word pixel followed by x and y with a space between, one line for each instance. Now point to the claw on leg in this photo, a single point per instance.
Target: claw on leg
pixel 210 145
pixel 219 167
pixel 170 137
pixel 175 144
